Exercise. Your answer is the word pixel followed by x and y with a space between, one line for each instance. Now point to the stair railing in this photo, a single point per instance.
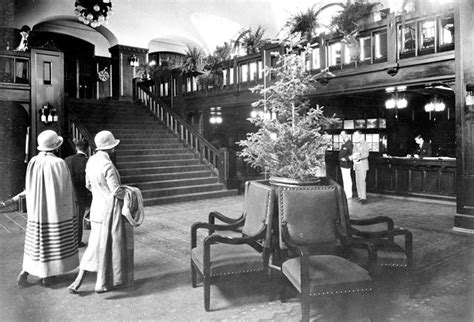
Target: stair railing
pixel 216 159
pixel 79 132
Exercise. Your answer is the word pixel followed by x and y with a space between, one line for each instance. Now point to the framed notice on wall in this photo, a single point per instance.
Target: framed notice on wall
pixel 371 123
pixel 382 124
pixel 359 124
pixel 348 124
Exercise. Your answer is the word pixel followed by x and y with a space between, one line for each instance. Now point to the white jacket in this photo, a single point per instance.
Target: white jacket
pixel 102 179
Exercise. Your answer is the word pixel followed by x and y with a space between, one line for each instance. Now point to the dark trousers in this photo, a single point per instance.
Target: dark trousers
pixel 81 208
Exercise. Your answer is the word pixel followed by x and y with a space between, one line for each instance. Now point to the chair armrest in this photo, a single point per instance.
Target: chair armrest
pixel 216 238
pixel 372 254
pixel 304 269
pixel 215 214
pixel 209 227
pixel 372 221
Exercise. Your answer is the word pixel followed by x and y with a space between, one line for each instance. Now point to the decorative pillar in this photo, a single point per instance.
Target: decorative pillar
pixel 464 60
pixel 122 72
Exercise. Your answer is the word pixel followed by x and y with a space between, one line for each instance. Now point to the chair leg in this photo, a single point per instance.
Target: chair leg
pixel 283 288
pixel 305 307
pixel 411 284
pixel 193 276
pixel 207 294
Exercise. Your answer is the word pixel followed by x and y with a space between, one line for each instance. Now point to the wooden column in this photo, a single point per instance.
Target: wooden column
pixel 464 37
pixel 122 72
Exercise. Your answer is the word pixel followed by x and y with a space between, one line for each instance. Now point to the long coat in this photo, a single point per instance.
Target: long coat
pixel 360 155
pixel 51 233
pixel 102 179
pixel 77 166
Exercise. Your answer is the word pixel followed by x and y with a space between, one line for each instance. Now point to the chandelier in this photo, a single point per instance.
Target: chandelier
pixel 396 100
pixel 93 12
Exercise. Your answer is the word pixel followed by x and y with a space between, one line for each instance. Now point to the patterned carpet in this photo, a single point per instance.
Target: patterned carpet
pixel 162 289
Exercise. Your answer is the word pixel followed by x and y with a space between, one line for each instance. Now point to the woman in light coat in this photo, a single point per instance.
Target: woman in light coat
pixel 102 179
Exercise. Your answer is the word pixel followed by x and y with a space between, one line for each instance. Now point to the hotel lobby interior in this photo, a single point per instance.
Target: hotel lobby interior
pixel 184 85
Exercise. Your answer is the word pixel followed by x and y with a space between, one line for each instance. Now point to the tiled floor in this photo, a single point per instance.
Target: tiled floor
pixel 162 289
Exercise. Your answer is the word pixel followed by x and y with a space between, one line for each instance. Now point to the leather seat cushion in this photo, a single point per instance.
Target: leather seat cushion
pixel 328 273
pixel 228 259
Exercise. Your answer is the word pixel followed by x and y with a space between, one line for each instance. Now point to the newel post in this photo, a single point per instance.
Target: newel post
pixel 223 166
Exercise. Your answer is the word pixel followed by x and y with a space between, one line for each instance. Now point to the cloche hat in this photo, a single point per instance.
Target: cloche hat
pixel 49 141
pixel 105 140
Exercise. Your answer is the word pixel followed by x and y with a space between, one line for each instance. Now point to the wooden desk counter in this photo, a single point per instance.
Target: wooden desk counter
pixel 426 177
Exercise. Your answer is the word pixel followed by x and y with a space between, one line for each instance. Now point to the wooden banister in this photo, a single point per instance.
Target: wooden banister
pixel 216 159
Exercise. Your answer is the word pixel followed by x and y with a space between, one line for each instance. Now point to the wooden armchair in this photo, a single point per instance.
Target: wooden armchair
pixel 380 231
pixel 311 225
pixel 237 247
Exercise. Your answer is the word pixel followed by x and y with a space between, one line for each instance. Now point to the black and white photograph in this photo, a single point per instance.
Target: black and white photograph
pixel 236 160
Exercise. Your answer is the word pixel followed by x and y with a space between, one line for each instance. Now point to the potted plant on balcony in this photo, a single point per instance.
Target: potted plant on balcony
pixel 303 23
pixel 290 144
pixel 347 23
pixel 251 40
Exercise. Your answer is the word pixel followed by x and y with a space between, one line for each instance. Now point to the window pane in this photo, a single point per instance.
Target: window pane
pixel 380 47
pixel 407 38
pixel 244 69
pixel 6 70
pixel 224 76
pixel 316 58
pixel 260 69
pixel 47 73
pixel 446 36
pixel 427 34
pixel 334 54
pixel 231 75
pixel 365 51
pixel 253 71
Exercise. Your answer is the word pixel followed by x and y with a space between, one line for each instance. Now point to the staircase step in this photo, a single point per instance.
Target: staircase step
pixel 178 150
pixel 189 197
pixel 162 170
pixel 156 164
pixel 175 183
pixel 164 176
pixel 154 157
pixel 172 191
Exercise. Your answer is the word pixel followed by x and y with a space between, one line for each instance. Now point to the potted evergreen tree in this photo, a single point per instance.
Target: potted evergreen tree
pixel 290 143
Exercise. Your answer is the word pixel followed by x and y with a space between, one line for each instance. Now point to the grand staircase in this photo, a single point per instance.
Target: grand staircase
pixel 149 156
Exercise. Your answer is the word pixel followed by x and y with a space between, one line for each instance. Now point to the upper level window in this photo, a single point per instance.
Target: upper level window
pixel 253 71
pixel 365 48
pixel 244 73
pixel 316 59
pixel 14 70
pixel 260 69
pixel 446 31
pixel 380 46
pixel 334 54
pixel 407 39
pixel 224 77
pixel 427 34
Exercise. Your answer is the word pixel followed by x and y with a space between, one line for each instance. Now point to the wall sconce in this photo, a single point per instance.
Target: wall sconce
pixel 324 76
pixel 48 114
pixel 134 61
pixel 216 115
pixel 256 112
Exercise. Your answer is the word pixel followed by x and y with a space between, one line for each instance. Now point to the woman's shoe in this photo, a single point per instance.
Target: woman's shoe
pixel 73 289
pixel 22 279
pixel 102 290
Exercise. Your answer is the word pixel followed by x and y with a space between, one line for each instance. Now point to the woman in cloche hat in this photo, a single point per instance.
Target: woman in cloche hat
pixel 50 242
pixel 102 179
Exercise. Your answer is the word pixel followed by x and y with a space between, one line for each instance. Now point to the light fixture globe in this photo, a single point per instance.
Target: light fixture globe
pixel 93 12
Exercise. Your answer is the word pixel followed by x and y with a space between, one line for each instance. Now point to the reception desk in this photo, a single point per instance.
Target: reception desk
pixel 431 177
pixel 428 177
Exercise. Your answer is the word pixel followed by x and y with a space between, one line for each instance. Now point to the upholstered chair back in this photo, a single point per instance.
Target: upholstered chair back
pixel 309 215
pixel 258 208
